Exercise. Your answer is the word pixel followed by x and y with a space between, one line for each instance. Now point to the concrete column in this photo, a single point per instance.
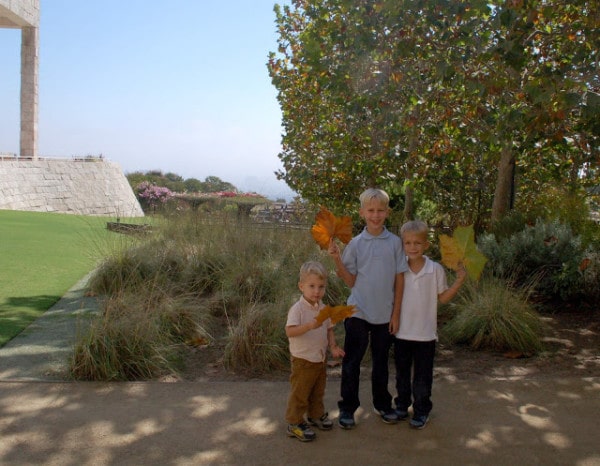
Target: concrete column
pixel 30 44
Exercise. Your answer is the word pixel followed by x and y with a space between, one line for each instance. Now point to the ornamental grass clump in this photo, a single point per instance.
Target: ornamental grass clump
pixel 138 337
pixel 196 280
pixel 492 316
pixel 257 343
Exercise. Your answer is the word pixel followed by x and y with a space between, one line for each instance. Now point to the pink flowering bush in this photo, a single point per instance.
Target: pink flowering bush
pixel 151 195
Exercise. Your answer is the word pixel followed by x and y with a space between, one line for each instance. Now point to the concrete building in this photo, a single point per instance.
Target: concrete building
pixel 25 15
pixel 84 186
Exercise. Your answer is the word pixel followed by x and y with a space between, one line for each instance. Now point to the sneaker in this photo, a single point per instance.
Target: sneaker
pixel 346 420
pixel 418 422
pixel 401 414
pixel 301 431
pixel 323 423
pixel 388 416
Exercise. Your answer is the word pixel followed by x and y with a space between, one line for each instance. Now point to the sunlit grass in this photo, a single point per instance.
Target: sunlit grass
pixel 42 255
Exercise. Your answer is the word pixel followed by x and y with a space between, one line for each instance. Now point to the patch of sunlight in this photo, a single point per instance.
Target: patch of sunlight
pixel 485 442
pixel 536 416
pixel 208 405
pixel 557 440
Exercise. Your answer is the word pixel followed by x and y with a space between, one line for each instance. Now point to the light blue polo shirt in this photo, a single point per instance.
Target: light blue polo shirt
pixel 375 260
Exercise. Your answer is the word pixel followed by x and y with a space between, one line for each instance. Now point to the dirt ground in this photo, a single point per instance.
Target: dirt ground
pixel 572 348
pixel 489 409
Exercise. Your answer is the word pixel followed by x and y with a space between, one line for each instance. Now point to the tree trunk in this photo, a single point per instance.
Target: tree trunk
pixel 504 184
pixel 408 203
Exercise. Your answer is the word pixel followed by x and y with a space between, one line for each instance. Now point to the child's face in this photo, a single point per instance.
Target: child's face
pixel 374 212
pixel 312 287
pixel 415 244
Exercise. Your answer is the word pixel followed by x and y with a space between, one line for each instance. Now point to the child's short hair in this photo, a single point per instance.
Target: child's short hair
pixel 415 226
pixel 374 194
pixel 313 268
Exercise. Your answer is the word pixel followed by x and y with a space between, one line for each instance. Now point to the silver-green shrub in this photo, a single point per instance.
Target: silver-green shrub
pixel 547 253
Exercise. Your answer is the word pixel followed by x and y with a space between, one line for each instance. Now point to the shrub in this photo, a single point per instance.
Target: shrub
pixel 546 252
pixel 590 267
pixel 495 317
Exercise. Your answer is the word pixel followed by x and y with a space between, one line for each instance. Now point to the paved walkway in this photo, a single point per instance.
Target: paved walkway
pixel 47 421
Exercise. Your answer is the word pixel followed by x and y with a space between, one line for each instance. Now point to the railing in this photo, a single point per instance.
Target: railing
pixel 14 158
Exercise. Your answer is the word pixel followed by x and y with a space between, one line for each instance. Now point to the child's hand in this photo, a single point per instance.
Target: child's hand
pixel 313 324
pixel 333 250
pixel 461 272
pixel 337 352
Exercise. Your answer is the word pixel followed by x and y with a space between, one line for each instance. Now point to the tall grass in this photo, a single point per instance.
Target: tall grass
pixel 493 316
pixel 217 274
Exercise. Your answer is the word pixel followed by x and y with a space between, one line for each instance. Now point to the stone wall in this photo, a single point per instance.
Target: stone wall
pixel 85 187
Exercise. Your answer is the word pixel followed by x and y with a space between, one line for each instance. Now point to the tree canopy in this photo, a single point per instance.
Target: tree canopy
pixel 475 106
pixel 177 184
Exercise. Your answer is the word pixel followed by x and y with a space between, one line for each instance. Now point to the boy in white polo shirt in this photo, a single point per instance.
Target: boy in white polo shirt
pixel 308 348
pixel 425 285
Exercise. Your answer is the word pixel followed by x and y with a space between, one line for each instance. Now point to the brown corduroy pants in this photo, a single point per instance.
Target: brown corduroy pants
pixel 307 382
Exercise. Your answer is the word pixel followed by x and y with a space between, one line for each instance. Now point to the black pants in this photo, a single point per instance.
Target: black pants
pixel 418 356
pixel 358 334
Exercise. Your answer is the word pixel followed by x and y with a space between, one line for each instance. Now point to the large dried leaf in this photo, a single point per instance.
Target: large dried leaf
pixel 328 226
pixel 335 313
pixel 461 248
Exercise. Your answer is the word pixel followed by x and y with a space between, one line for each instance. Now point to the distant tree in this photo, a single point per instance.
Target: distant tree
pixel 193 185
pixel 213 184
pixel 173 177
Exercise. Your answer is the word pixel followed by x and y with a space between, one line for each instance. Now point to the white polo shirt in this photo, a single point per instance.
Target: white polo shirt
pixel 418 318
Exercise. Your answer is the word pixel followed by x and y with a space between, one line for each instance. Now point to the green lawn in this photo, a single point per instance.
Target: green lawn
pixel 42 255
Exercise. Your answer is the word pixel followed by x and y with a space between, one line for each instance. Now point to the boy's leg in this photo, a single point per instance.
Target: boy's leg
pixel 403 358
pixel 316 408
pixel 355 346
pixel 381 341
pixel 317 416
pixel 424 353
pixel 301 383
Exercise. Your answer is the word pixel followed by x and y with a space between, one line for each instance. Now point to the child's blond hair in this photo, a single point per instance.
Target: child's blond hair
pixel 374 194
pixel 415 226
pixel 313 268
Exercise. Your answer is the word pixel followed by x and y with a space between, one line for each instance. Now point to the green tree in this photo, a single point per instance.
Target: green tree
pixel 213 184
pixel 193 185
pixel 440 96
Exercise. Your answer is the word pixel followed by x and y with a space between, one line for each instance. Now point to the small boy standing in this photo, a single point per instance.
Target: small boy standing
pixel 372 265
pixel 308 348
pixel 425 284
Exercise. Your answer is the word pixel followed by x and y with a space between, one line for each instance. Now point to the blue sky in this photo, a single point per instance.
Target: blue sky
pixel 180 86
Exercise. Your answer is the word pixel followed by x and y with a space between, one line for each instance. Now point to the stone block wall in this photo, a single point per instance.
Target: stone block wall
pixel 83 187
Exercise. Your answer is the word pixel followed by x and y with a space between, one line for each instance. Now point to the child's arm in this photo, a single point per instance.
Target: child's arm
pixel 398 294
pixel 340 268
pixel 335 350
pixel 450 293
pixel 297 330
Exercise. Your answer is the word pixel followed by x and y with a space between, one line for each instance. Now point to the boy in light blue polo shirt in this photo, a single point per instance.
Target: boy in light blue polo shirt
pixel 372 265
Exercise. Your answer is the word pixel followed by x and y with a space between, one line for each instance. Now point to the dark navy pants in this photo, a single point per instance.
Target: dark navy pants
pixel 358 335
pixel 418 356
